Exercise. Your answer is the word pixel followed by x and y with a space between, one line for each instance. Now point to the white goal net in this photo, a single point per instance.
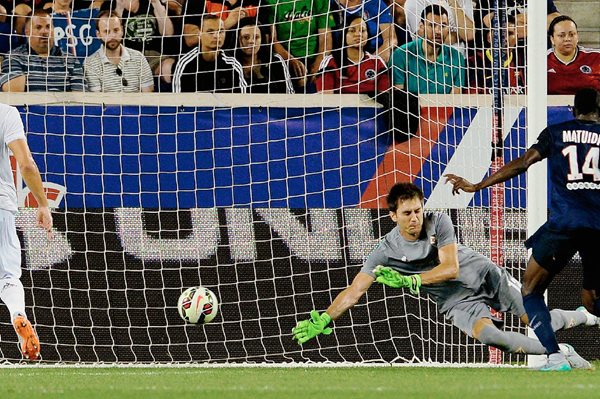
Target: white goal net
pixel 272 201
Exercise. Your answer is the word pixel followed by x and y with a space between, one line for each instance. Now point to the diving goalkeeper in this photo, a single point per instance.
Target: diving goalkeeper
pixel 421 254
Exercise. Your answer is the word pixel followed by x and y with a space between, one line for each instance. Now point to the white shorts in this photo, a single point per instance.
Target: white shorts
pixel 10 246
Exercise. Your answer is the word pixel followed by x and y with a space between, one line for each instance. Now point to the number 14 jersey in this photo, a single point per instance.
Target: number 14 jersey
pixel 573 152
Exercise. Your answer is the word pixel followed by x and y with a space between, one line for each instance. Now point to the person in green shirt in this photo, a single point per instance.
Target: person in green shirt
pixel 427 65
pixel 301 31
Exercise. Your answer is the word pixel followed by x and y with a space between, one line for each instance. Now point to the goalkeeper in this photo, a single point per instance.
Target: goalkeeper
pixel 421 254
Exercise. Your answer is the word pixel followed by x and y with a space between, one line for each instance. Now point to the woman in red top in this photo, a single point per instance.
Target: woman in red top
pixel 351 69
pixel 570 67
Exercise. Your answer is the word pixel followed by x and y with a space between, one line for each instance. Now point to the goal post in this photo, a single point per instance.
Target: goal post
pixel 537 111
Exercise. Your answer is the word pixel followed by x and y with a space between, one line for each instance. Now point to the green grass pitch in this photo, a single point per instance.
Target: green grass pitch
pixel 284 383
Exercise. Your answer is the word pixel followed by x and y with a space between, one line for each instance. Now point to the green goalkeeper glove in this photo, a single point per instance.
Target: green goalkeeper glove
pixel 308 329
pixel 391 278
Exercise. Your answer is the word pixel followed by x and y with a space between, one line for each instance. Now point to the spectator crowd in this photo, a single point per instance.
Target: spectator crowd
pixel 374 47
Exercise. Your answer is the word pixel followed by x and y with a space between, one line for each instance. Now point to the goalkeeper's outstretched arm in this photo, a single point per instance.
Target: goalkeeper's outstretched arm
pixel 350 296
pixel 306 330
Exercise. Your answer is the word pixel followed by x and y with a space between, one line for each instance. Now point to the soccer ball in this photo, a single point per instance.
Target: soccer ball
pixel 197 305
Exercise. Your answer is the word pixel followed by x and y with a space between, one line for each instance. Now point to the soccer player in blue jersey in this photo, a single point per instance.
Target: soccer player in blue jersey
pixel 573 153
pixel 422 254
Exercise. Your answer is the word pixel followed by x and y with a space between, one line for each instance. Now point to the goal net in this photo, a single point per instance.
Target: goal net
pixel 271 201
pixel 273 208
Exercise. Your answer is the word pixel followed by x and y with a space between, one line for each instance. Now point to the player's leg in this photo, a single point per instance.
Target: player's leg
pixel 508 299
pixel 550 253
pixel 487 333
pixel 11 289
pixel 475 319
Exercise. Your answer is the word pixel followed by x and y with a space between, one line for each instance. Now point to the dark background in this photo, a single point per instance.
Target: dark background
pixel 104 305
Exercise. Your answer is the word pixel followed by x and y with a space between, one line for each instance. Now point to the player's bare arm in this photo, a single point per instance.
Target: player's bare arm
pixel 350 296
pixel 31 175
pixel 507 172
pixel 306 330
pixel 446 270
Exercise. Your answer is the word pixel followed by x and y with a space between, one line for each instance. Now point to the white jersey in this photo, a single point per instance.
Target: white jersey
pixel 11 129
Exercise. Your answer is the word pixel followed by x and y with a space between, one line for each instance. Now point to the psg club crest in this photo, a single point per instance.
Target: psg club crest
pixel 433 240
pixel 585 69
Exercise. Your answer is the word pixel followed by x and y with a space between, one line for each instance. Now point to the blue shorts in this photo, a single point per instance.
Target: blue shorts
pixel 553 249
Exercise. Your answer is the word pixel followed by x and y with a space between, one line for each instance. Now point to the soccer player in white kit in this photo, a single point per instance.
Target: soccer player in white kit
pixel 12 137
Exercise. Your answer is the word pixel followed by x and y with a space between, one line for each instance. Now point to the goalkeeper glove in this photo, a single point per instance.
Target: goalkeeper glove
pixel 391 278
pixel 308 329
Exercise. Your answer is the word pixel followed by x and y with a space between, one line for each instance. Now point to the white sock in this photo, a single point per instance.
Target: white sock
pixel 13 296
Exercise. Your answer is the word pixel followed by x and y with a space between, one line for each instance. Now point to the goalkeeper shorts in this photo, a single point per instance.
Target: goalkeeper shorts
pixel 500 291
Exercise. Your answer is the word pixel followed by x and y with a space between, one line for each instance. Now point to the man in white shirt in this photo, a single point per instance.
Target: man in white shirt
pixel 114 67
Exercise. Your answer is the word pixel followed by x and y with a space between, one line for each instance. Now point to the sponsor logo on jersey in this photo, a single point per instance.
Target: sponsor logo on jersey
pixel 298 16
pixel 585 69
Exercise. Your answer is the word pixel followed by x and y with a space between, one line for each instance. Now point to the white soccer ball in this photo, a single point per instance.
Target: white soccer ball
pixel 197 305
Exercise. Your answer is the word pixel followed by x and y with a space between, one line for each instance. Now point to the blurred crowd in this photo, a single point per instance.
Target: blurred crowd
pixel 283 46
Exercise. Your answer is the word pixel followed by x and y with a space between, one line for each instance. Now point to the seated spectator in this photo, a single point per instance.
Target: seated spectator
pixel 148 29
pixel 301 31
pixel 460 20
pixel 351 69
pixel 114 67
pixel 378 17
pixel 427 65
pixel 230 11
pixel 207 68
pixel 570 67
pixel 264 72
pixel 482 65
pixel 39 65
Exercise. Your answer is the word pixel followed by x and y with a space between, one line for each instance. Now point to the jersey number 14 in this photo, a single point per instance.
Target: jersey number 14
pixel 590 164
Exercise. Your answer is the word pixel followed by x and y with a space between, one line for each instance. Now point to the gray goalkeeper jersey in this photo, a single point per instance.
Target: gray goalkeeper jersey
pixel 414 257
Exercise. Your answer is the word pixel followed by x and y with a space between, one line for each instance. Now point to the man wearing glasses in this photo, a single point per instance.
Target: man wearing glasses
pixel 114 67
